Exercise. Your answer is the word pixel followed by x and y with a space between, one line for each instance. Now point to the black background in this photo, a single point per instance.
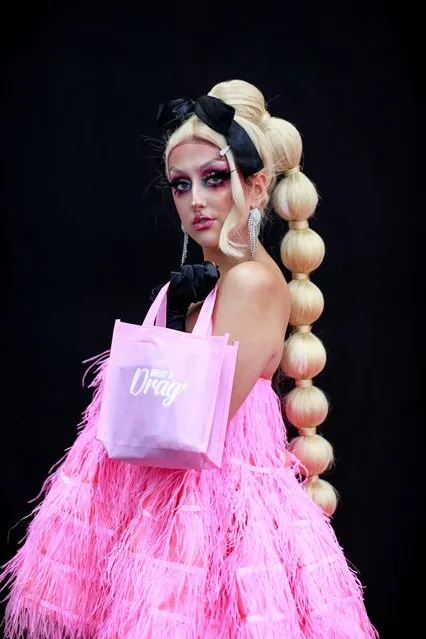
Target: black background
pixel 86 233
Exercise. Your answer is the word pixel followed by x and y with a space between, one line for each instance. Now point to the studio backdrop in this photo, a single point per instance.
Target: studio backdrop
pixel 88 231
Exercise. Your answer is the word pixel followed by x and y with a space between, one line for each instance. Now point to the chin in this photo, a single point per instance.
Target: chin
pixel 206 239
pixel 210 245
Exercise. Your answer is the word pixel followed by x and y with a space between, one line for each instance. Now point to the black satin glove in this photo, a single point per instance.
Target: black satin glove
pixel 191 284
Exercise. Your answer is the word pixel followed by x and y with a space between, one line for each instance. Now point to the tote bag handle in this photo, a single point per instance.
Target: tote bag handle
pixel 158 310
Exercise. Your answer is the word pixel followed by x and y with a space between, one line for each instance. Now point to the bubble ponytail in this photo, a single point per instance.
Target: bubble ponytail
pixel 304 357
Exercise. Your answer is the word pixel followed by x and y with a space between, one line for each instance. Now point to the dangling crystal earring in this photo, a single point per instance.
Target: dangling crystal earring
pixel 254 228
pixel 185 246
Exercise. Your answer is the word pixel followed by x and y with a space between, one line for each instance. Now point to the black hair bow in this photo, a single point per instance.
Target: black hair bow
pixel 219 116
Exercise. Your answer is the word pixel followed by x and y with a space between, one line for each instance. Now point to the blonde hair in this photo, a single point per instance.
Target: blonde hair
pixel 294 198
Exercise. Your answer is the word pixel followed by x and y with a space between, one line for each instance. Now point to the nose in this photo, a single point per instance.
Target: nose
pixel 198 201
pixel 197 206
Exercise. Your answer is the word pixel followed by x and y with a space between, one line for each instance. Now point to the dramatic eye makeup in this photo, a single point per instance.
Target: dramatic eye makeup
pixel 210 177
pixel 179 185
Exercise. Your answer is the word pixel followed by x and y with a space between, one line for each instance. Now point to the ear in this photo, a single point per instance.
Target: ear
pixel 258 190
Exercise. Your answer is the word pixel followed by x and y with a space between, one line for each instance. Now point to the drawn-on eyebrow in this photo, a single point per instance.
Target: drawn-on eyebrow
pixel 202 166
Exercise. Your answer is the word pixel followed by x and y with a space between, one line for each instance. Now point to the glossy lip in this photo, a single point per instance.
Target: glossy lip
pixel 203 224
pixel 201 218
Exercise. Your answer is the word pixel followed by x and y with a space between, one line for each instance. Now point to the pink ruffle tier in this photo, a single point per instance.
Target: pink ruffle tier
pixel 117 551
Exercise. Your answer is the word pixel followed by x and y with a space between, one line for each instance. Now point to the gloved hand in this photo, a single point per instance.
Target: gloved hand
pixel 189 285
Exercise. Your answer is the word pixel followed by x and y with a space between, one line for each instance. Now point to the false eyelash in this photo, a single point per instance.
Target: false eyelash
pixel 161 182
pixel 173 184
pixel 225 174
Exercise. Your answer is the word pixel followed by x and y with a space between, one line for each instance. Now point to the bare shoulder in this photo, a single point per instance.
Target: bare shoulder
pixel 248 287
pixel 254 299
pixel 254 278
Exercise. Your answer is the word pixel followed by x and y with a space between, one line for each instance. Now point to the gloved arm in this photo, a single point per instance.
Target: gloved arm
pixel 191 284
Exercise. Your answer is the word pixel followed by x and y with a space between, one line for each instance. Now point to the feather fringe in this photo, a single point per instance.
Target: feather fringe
pixel 118 551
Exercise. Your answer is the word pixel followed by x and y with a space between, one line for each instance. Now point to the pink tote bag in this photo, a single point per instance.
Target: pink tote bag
pixel 167 393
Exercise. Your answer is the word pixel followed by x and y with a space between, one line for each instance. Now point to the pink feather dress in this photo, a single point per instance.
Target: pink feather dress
pixel 118 551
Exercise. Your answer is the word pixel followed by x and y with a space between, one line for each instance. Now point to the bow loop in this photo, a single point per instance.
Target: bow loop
pixel 215 113
pixel 173 110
